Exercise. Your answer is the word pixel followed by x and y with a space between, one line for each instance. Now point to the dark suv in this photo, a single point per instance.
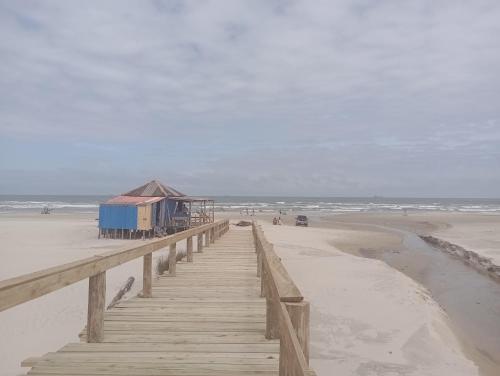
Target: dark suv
pixel 301 220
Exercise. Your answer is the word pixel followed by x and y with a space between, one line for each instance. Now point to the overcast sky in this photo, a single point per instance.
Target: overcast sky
pixel 251 97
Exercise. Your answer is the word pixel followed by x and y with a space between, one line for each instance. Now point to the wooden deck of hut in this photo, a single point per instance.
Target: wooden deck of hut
pixel 207 316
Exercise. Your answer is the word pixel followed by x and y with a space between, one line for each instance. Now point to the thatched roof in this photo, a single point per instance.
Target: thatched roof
pixel 154 189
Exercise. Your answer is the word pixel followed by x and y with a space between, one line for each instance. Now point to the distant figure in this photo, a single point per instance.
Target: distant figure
pixel 253 212
pixel 279 221
pixel 275 221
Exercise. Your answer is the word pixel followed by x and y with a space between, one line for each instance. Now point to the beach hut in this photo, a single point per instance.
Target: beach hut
pixel 152 209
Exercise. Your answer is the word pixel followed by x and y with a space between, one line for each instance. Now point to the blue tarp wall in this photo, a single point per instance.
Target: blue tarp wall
pixel 118 217
pixel 169 212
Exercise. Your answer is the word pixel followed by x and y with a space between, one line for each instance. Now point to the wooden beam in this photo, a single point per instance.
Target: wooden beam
pixel 299 317
pixel 199 239
pixel 189 249
pixel 207 238
pixel 172 259
pixel 96 305
pixel 292 359
pixel 147 275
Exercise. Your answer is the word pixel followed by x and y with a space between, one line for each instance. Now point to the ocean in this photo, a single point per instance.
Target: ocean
pixel 271 204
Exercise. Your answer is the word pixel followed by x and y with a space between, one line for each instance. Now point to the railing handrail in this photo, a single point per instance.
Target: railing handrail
pixel 21 289
pixel 283 297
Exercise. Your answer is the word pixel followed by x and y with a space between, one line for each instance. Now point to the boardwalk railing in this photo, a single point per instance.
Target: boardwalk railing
pixel 30 286
pixel 287 313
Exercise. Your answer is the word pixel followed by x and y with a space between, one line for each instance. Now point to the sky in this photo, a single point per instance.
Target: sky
pixel 257 97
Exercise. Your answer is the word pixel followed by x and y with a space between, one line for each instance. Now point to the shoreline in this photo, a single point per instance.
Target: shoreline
pixel 471 258
pixel 367 317
pixel 399 255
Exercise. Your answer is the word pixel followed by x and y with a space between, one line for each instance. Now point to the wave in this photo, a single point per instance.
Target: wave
pixel 42 204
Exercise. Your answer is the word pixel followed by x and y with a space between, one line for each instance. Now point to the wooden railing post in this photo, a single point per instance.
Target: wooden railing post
pixel 96 305
pixel 272 315
pixel 147 276
pixel 189 249
pixel 199 238
pixel 299 316
pixel 272 319
pixel 207 238
pixel 212 235
pixel 259 261
pixel 172 262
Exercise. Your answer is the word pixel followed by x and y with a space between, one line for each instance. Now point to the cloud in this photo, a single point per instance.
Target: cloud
pixel 367 86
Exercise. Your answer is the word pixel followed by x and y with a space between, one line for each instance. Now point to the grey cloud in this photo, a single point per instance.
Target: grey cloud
pixel 346 94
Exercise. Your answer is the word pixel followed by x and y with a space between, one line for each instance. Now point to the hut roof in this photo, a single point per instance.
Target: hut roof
pixel 154 189
pixel 133 200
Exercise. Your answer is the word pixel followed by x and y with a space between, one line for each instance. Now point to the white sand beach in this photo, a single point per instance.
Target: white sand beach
pixel 474 232
pixel 366 317
pixel 30 242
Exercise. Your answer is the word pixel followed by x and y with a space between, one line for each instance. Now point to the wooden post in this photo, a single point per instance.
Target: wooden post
pixel 200 242
pixel 147 275
pixel 299 316
pixel 172 262
pixel 212 235
pixel 96 305
pixel 259 263
pixel 272 320
pixel 189 249
pixel 207 238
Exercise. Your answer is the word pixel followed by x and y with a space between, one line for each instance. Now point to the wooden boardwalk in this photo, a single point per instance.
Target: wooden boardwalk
pixel 207 320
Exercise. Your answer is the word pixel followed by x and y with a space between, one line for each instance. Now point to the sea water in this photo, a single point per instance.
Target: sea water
pixel 271 204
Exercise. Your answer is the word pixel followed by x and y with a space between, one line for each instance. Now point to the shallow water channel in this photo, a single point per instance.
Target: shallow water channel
pixel 471 299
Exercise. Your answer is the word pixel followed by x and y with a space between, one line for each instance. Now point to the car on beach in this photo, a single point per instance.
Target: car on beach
pixel 301 220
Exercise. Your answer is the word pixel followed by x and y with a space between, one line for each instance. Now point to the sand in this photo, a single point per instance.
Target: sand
pixel 30 242
pixel 479 233
pixel 366 318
